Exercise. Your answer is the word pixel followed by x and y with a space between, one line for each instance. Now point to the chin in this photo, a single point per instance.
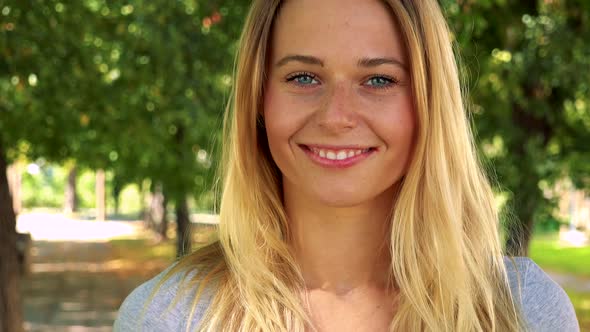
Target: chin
pixel 341 199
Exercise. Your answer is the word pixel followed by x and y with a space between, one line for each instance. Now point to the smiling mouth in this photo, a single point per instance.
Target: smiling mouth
pixel 337 154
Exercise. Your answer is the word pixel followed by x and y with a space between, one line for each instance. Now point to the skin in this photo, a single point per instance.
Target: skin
pixel 326 90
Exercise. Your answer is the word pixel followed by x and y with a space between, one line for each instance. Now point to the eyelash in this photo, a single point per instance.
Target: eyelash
pixel 292 77
pixel 391 81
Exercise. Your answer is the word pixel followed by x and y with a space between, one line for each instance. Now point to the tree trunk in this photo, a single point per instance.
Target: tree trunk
pixel 524 203
pixel 10 303
pixel 71 200
pixel 519 234
pixel 164 220
pixel 100 196
pixel 152 207
pixel 15 185
pixel 146 199
pixel 158 211
pixel 183 230
pixel 155 216
pixel 527 195
pixel 117 188
pixel 520 231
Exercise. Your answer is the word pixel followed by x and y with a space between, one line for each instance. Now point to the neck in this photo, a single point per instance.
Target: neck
pixel 340 249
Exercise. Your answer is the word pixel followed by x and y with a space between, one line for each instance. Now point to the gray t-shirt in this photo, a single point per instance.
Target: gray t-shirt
pixel 545 305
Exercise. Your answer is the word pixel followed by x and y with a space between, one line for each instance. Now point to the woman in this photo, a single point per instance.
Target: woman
pixel 352 197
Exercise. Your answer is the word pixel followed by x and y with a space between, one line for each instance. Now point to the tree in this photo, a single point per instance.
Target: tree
pixel 175 94
pixel 529 69
pixel 10 312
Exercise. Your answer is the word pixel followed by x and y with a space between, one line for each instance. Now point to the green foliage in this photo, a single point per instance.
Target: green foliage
pixel 130 201
pixel 527 64
pixel 85 188
pixel 135 87
pixel 45 188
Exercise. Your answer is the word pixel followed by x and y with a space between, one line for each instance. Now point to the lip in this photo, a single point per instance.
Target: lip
pixel 329 163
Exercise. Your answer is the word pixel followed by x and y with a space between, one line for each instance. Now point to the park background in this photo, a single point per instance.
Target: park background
pixel 110 117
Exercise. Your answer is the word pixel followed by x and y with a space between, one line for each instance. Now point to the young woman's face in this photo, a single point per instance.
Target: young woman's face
pixel 338 103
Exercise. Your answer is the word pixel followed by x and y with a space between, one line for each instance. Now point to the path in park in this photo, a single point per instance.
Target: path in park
pixel 75 285
pixel 573 282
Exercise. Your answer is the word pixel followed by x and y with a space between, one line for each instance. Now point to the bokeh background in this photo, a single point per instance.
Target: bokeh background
pixel 110 117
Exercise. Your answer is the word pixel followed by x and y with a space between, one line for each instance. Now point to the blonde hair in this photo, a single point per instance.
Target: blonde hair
pixel 447 260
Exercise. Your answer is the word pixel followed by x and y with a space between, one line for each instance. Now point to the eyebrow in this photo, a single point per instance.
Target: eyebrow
pixel 364 62
pixel 374 62
pixel 307 59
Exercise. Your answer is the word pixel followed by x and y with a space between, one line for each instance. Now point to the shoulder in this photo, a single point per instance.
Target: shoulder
pixel 165 311
pixel 545 305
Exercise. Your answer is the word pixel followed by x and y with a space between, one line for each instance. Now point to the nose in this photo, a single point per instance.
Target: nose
pixel 338 113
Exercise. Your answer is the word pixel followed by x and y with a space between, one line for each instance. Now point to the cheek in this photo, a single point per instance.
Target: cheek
pixel 272 119
pixel 279 124
pixel 397 128
pixel 283 116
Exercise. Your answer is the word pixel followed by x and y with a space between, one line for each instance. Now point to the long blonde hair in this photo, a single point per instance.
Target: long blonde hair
pixel 447 260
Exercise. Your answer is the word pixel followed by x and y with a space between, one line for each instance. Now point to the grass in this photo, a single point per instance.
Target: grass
pixel 141 250
pixel 144 249
pixel 581 302
pixel 551 255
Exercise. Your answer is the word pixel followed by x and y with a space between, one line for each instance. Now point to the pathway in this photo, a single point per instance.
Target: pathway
pixel 573 282
pixel 76 285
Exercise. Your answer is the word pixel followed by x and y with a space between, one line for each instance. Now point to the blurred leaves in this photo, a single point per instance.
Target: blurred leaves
pixel 138 86
pixel 527 66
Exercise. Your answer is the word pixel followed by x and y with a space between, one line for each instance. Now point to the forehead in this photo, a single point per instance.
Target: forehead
pixel 337 29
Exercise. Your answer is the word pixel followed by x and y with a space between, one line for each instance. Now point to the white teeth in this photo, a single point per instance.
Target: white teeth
pixel 339 154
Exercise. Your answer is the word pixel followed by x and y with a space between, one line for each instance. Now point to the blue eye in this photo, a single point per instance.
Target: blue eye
pixel 380 82
pixel 303 79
